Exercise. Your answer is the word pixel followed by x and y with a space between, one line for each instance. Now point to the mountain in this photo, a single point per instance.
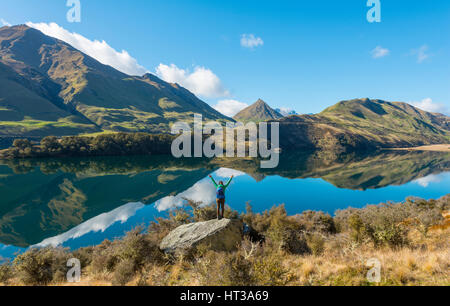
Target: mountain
pixel 257 112
pixel 50 88
pixel 286 112
pixel 364 124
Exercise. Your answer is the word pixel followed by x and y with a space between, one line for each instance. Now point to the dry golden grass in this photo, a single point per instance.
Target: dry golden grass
pixel 425 262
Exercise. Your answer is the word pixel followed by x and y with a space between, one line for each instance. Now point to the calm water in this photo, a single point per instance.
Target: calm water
pixel 80 202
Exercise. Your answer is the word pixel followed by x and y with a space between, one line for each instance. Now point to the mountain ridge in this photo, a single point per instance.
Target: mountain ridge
pixel 98 95
pixel 364 124
pixel 47 87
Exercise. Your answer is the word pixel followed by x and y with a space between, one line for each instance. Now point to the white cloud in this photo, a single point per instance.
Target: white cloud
pixel 202 191
pixel 201 81
pixel 4 22
pixel 230 107
pixel 430 106
pixel 251 41
pixel 227 173
pixel 426 181
pixel 379 52
pixel 96 224
pixel 421 53
pixel 99 50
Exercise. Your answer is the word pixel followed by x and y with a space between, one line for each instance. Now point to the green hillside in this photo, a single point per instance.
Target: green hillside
pixel 364 124
pixel 23 111
pixel 54 89
pixel 389 122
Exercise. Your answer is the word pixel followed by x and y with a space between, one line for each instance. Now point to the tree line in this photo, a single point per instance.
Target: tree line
pixel 119 144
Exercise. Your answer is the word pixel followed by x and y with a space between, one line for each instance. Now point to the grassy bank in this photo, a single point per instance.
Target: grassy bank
pixel 410 239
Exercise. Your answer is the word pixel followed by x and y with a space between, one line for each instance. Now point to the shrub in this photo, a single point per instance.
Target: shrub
pixel 131 253
pixel 104 257
pixel 124 272
pixel 41 266
pixel 313 221
pixel 6 272
pixel 84 255
pixel 138 248
pixel 22 144
pixel 237 270
pixel 202 212
pixel 357 227
pixel 269 271
pixel 316 244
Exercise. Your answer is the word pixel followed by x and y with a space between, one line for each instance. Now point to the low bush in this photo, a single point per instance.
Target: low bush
pixel 42 266
pixel 6 272
pixel 389 224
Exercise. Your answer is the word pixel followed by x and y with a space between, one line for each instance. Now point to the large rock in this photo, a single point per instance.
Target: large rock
pixel 218 235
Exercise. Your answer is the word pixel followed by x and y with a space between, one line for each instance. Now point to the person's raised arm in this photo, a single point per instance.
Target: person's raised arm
pixel 229 182
pixel 212 179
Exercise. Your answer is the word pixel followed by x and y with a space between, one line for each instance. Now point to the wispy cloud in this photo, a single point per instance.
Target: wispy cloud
pixel 97 224
pixel 201 81
pixel 379 52
pixel 426 181
pixel 99 50
pixel 250 41
pixel 421 53
pixel 202 192
pixel 4 22
pixel 430 106
pixel 230 107
pixel 227 173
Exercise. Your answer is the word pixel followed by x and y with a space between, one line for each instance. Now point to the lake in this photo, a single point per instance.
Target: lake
pixel 79 202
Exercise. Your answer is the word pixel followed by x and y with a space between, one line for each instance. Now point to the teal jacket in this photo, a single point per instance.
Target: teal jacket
pixel 223 187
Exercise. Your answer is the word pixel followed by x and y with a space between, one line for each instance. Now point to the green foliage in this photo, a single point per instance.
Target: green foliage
pixel 22 144
pixel 118 144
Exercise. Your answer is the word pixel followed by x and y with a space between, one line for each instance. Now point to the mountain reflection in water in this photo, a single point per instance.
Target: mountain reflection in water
pixel 81 201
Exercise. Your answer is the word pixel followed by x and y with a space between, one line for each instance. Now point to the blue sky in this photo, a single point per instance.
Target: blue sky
pixel 306 55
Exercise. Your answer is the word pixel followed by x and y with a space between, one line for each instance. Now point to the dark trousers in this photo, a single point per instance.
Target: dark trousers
pixel 220 208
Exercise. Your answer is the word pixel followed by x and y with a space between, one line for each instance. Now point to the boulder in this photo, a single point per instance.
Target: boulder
pixel 217 235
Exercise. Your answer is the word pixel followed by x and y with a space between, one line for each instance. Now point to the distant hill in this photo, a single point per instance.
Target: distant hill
pixel 47 87
pixel 257 112
pixel 364 124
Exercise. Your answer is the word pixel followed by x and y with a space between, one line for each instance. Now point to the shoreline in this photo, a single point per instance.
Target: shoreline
pixel 429 148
